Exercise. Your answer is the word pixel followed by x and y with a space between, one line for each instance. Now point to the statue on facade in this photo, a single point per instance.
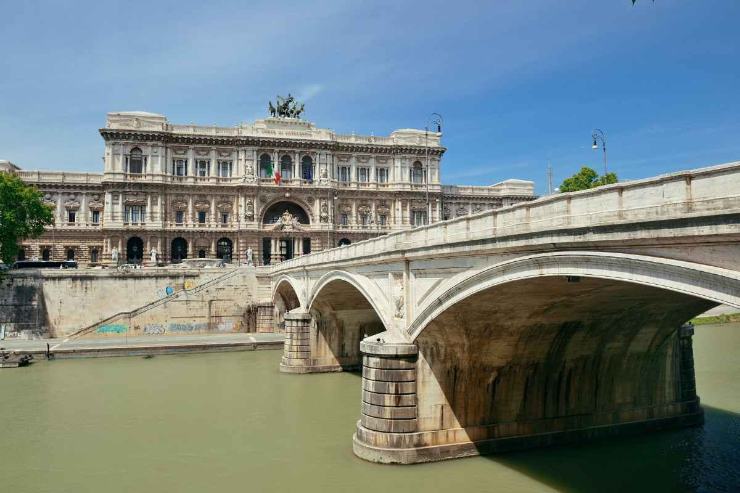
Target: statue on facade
pixel 288 222
pixel 249 256
pixel 153 256
pixel 286 107
pixel 114 255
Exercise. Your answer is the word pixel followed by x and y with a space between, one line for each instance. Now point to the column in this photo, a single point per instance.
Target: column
pixel 296 348
pixel 189 219
pixel 388 417
pixel 275 251
pixel 686 363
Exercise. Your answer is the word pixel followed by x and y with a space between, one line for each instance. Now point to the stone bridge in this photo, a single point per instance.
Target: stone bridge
pixel 550 321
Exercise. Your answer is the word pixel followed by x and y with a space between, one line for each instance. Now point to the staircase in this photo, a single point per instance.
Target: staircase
pixel 216 282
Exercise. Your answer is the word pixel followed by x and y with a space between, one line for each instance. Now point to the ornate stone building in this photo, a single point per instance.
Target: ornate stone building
pixel 280 186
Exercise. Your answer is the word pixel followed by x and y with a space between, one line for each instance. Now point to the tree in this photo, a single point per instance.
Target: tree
pixel 586 178
pixel 22 215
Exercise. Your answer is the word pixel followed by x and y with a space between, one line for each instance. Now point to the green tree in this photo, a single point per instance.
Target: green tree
pixel 22 215
pixel 586 178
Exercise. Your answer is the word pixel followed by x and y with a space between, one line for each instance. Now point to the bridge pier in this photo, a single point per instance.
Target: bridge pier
pixel 388 417
pixel 409 414
pixel 297 351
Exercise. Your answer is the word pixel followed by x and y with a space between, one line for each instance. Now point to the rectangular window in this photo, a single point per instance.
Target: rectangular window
pixel 418 218
pixel 382 219
pixel 306 246
pixel 224 218
pixel 343 219
pixel 180 167
pixel 224 169
pixel 364 219
pixel 382 174
pixel 95 217
pixel 202 217
pixel 71 216
pixel 179 217
pixel 363 175
pixel 344 174
pixel 135 214
pixel 93 256
pixel 202 167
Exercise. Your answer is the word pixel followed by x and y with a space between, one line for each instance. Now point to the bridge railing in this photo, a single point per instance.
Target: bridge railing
pixel 712 190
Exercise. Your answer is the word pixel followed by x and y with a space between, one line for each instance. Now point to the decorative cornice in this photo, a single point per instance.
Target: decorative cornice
pixel 266 142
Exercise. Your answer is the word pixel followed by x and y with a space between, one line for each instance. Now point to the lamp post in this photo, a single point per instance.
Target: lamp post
pixel 599 136
pixel 435 119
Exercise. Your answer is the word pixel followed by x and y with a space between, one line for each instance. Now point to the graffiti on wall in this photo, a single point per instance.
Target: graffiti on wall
pixel 112 329
pixel 225 326
pixel 187 327
pixel 154 329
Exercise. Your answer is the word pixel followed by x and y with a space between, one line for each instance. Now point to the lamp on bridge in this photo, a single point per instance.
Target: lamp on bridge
pixel 599 136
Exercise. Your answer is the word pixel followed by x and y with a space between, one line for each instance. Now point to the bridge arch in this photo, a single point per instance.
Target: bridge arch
pixel 709 283
pixel 344 310
pixel 557 346
pixel 285 297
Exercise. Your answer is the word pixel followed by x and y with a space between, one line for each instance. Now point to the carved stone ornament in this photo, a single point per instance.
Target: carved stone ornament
pixel 396 287
pixel 134 199
pixel 462 210
pixel 49 199
pixel 179 205
pixel 202 152
pixel 288 222
pixel 249 211
pixel 95 205
pixel 345 208
pixel 71 204
pixel 224 206
pixel 363 209
pixel 202 205
pixel 324 214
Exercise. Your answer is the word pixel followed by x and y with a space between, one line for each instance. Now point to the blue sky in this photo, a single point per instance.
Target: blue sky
pixel 519 83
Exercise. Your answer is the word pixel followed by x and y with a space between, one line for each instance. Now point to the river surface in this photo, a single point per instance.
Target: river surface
pixel 232 422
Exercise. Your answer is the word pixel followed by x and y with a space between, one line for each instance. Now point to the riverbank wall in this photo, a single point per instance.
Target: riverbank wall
pixel 157 301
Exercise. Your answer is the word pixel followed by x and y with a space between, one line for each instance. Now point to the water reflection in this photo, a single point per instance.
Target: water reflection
pixel 694 459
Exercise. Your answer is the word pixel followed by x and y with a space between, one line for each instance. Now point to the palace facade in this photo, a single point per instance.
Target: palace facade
pixel 187 191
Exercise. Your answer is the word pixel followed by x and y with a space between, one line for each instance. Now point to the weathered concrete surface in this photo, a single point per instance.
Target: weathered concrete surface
pixel 50 303
pixel 543 322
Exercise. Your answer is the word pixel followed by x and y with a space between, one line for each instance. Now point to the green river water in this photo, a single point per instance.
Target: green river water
pixel 232 422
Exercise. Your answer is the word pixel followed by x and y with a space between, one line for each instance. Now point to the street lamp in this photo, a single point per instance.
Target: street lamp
pixel 435 120
pixel 599 136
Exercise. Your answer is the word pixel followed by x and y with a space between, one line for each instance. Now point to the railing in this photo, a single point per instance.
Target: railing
pixel 705 191
pixel 59 177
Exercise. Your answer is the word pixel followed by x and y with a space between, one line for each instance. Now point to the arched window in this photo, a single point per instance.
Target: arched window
pixel 46 254
pixel 344 242
pixel 201 253
pixel 307 168
pixel 286 167
pixel 417 173
pixel 265 166
pixel 136 161
pixel 223 249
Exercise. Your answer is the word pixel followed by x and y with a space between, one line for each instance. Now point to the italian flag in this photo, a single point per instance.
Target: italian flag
pixel 275 172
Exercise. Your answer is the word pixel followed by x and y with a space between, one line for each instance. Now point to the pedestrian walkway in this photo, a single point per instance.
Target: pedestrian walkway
pixel 134 346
